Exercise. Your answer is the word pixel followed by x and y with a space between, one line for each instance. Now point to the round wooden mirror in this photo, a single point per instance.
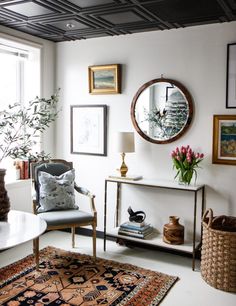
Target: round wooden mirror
pixel 162 110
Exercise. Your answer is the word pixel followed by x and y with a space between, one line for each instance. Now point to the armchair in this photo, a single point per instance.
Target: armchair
pixel 55 200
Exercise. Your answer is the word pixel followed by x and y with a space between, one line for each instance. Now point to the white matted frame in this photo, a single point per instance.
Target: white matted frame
pixel 89 129
pixel 231 76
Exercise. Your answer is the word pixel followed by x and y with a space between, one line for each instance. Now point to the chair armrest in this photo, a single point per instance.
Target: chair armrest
pixel 35 206
pixel 84 191
pixel 87 193
pixel 34 201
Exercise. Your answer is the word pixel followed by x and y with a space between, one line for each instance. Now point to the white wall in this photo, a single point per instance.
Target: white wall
pixel 196 57
pixel 20 195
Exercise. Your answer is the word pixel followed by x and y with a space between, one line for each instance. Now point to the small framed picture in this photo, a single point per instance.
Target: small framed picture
pixel 105 79
pixel 89 129
pixel 231 76
pixel 224 139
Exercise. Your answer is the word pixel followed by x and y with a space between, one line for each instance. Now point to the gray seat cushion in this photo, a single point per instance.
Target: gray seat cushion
pixel 66 217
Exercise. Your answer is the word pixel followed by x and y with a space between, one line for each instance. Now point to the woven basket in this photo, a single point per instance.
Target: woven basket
pixel 218 257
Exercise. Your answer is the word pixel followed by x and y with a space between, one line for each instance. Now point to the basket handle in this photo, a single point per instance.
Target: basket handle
pixel 210 212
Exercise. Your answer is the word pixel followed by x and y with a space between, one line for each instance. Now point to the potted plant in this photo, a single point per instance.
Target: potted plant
pixel 20 126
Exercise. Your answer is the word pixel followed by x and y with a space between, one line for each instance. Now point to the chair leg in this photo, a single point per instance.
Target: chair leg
pixel 73 236
pixel 36 252
pixel 94 241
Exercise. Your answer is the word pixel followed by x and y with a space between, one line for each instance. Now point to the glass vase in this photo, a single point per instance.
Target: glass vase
pixel 185 177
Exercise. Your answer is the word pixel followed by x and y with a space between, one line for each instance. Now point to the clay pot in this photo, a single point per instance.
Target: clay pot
pixel 173 232
pixel 4 200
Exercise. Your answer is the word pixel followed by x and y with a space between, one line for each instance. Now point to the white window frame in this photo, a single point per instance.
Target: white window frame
pixel 36 50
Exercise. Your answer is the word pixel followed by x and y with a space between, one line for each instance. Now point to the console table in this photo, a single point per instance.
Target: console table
pixel 156 239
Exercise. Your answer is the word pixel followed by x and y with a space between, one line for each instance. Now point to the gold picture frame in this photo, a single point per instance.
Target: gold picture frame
pixel 224 139
pixel 105 79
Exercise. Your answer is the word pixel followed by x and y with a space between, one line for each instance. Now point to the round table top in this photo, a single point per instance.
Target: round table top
pixel 20 227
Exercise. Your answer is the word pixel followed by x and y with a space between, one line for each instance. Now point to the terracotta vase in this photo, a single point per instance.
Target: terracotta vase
pixel 173 232
pixel 4 200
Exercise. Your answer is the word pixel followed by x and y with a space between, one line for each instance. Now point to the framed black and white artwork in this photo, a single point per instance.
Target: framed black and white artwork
pixel 231 76
pixel 89 129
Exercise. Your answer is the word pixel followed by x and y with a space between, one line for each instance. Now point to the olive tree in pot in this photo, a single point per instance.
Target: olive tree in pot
pixel 20 126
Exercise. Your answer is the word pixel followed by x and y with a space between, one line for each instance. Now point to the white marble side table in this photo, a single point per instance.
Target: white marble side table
pixel 21 227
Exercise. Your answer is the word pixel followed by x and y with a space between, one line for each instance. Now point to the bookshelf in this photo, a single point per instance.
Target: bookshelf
pixel 155 239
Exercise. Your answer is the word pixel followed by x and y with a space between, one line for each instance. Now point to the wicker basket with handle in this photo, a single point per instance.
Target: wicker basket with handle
pixel 218 257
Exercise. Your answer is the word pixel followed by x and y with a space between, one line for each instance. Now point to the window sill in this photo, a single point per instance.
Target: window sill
pixel 12 184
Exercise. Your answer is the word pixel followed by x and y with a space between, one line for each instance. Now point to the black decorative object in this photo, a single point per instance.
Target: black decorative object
pixel 137 216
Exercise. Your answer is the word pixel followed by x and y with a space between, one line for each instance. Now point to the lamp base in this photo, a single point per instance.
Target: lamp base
pixel 123 167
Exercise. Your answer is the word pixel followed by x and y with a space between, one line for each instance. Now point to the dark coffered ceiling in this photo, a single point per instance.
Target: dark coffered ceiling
pixel 64 20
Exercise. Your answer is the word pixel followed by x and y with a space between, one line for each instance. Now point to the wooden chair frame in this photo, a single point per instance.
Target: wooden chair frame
pixel 73 226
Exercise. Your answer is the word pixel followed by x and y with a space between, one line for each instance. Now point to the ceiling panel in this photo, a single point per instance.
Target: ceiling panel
pixel 64 20
pixel 29 9
pixel 185 10
pixel 123 17
pixel 88 3
pixel 69 24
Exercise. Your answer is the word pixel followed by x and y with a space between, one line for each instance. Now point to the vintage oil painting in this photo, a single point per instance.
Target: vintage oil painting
pixel 105 79
pixel 224 139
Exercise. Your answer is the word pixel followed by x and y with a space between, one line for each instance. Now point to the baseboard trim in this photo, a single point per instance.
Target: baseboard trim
pixel 85 232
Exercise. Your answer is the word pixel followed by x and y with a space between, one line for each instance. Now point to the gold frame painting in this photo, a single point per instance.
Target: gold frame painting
pixel 224 139
pixel 104 79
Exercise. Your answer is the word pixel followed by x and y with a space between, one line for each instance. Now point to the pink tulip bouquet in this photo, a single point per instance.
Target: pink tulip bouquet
pixel 185 161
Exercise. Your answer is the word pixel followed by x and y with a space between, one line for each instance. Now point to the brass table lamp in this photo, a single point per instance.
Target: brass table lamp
pixel 125 144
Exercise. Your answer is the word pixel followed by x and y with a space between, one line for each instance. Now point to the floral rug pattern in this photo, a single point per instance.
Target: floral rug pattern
pixel 68 278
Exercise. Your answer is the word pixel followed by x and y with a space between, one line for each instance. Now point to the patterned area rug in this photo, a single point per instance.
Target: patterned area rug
pixel 67 278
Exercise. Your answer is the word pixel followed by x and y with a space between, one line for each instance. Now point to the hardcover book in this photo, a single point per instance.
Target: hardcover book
pixel 135 229
pixel 135 225
pixel 135 235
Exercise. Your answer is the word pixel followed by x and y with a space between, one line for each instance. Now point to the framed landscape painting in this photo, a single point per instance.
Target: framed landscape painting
pixel 224 139
pixel 89 129
pixel 105 79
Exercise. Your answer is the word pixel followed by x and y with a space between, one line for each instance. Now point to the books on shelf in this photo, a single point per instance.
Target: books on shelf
pixel 135 226
pixel 134 229
pixel 23 165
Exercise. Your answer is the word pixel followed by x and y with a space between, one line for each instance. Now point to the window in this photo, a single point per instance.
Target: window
pixel 19 75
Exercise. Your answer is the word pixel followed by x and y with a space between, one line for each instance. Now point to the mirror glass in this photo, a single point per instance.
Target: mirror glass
pixel 161 110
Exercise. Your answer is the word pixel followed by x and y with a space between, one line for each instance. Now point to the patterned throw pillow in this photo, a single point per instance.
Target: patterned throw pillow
pixel 56 192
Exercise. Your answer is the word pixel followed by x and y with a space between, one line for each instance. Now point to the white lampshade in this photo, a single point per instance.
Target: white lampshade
pixel 125 142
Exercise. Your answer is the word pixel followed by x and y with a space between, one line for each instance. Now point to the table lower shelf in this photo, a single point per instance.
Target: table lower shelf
pixel 155 239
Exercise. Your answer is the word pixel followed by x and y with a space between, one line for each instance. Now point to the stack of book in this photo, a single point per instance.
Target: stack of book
pixel 23 165
pixel 134 229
